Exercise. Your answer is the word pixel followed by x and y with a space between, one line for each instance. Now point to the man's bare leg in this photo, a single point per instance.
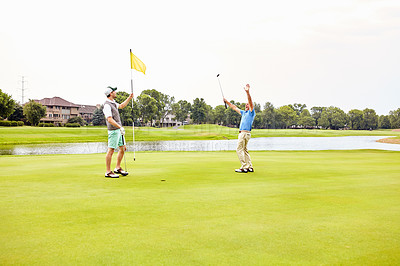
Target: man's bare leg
pixel 109 155
pixel 121 153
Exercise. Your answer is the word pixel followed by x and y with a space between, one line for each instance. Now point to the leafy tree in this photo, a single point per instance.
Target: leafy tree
pixel 370 119
pixel 288 114
pixel 6 104
pixel 339 118
pixel 316 113
pixel 324 120
pixel 126 114
pixel 298 107
pixel 257 123
pixel 268 116
pixel 384 122
pixel 333 117
pixel 158 103
pixel 232 118
pixel 98 117
pixel 219 114
pixel 78 120
pixel 34 111
pixel 199 111
pixel 18 113
pixel 241 106
pixel 147 107
pixel 356 119
pixel 306 120
pixel 209 114
pixel 394 117
pixel 279 119
pixel 181 110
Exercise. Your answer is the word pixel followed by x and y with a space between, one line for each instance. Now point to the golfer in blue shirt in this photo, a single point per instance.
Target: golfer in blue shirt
pixel 244 132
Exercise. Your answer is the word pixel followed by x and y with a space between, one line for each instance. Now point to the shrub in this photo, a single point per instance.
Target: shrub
pixel 78 120
pixel 72 125
pixel 45 125
pixel 34 111
pixel 5 123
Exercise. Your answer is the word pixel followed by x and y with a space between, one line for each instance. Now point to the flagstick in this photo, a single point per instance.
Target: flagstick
pixel 139 66
pixel 133 122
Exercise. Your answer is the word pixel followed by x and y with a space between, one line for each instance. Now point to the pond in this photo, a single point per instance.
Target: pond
pixel 259 144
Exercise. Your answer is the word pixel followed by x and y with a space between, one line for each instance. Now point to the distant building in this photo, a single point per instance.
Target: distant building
pixel 86 112
pixel 169 121
pixel 58 110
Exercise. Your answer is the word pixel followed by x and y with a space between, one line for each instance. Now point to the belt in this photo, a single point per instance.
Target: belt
pixel 246 131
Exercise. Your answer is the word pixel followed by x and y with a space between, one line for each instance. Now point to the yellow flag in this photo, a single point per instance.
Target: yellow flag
pixel 137 64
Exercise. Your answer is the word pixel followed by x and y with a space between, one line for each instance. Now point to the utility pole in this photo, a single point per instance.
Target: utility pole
pixel 23 89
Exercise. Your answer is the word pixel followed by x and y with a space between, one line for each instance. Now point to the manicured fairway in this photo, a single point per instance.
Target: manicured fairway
pixel 35 135
pixel 298 208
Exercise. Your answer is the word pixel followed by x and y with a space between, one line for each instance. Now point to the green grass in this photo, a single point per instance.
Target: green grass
pixel 298 208
pixel 36 135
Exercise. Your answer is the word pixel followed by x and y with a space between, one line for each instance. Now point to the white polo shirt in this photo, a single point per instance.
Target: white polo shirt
pixel 107 108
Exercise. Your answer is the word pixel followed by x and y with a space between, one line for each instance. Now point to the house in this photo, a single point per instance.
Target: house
pixel 86 112
pixel 58 110
pixel 169 121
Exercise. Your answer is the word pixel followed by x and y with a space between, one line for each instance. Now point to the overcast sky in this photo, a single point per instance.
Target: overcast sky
pixel 319 53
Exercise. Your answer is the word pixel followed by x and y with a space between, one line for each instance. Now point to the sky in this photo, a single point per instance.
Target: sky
pixel 314 52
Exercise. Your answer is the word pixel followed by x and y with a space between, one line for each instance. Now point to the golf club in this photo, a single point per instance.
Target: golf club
pixel 226 107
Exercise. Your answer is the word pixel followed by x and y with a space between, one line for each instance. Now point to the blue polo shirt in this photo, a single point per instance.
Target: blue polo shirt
pixel 247 119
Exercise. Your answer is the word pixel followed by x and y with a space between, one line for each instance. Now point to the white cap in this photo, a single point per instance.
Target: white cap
pixel 109 90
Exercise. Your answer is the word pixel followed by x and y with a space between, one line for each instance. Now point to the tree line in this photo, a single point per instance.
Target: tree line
pixel 153 106
pixel 31 112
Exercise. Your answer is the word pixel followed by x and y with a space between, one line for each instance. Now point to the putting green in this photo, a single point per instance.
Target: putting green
pixel 319 207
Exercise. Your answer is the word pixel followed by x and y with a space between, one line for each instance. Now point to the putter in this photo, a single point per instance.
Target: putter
pixel 226 107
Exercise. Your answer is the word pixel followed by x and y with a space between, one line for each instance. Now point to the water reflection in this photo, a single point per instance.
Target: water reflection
pixel 272 143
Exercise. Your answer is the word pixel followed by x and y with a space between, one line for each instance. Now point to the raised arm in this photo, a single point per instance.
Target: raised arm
pixel 125 103
pixel 234 107
pixel 250 101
